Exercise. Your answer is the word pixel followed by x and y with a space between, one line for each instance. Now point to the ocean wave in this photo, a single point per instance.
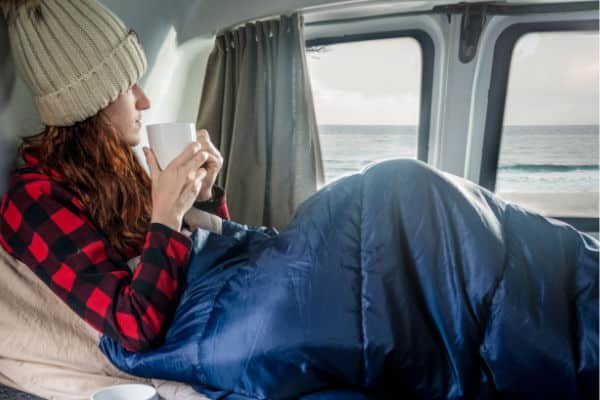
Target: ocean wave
pixel 548 167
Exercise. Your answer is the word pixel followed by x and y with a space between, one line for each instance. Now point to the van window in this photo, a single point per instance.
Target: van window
pixel 367 96
pixel 549 147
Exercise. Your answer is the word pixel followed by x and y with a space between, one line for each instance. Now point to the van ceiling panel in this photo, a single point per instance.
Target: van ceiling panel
pixel 370 9
pixel 193 18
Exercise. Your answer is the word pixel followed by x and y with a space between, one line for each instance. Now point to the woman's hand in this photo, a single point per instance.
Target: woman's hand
pixel 212 166
pixel 175 188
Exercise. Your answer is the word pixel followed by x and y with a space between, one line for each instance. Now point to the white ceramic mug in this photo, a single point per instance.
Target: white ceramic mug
pixel 133 391
pixel 168 140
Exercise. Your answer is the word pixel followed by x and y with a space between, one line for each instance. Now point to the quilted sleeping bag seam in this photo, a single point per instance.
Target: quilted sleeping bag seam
pixel 486 323
pixel 200 367
pixel 362 319
pixel 584 387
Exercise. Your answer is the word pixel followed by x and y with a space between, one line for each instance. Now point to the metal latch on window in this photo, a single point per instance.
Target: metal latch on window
pixel 473 20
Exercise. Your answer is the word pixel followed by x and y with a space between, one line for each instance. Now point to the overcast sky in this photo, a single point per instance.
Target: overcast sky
pixel 553 80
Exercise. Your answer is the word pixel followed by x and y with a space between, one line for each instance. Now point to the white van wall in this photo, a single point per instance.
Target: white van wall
pixel 174 83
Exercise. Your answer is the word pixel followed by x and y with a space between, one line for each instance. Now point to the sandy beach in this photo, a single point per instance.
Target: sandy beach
pixel 582 204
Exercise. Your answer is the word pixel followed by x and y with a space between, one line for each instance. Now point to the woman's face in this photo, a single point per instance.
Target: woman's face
pixel 125 114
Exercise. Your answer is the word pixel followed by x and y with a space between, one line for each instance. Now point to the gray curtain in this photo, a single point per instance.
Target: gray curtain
pixel 257 106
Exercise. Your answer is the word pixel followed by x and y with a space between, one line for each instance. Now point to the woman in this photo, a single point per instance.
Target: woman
pixel 82 205
pixel 399 281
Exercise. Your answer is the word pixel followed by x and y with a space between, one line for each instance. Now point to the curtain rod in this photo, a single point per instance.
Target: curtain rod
pixel 253 20
pixel 290 13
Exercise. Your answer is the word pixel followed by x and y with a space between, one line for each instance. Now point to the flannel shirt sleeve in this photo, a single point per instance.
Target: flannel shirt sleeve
pixel 41 225
pixel 217 205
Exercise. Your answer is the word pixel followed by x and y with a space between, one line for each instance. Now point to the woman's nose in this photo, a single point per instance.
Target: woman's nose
pixel 142 102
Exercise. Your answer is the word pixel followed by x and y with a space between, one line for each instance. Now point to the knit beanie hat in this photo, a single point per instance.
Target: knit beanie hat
pixel 75 55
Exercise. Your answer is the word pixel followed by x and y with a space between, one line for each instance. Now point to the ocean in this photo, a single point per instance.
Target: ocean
pixel 533 159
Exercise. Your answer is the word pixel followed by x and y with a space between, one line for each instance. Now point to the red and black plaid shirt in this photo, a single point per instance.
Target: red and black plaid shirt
pixel 45 226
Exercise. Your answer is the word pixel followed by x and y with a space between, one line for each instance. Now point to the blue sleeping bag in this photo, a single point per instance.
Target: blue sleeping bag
pixel 397 282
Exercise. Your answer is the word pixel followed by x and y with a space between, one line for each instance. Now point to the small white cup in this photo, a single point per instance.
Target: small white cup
pixel 168 140
pixel 133 391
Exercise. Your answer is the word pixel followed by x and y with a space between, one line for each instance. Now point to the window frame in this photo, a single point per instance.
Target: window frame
pixel 427 67
pixel 494 120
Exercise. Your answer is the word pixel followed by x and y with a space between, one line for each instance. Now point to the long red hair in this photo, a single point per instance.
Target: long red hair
pixel 103 172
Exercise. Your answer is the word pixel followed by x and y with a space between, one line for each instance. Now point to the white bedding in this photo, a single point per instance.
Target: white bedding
pixel 47 350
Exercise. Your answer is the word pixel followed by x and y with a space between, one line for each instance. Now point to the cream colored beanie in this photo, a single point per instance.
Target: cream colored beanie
pixel 75 55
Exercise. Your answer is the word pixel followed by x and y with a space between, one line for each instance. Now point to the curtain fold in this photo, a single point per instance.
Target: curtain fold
pixel 257 106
